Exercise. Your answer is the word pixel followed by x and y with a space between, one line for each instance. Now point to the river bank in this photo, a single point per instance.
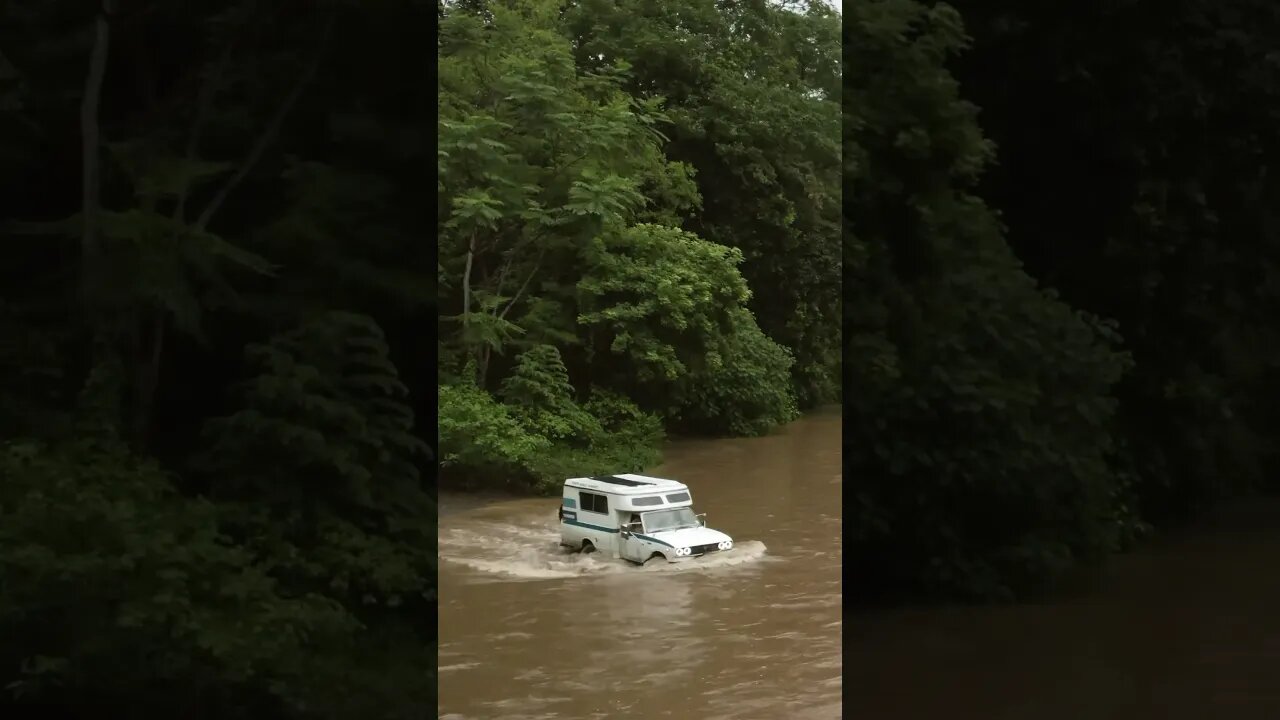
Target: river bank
pixel 497 488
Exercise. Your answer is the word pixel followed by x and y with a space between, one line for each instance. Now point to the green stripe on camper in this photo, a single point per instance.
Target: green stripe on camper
pixel 589 526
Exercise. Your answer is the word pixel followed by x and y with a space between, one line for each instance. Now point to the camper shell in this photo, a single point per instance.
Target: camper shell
pixel 635 517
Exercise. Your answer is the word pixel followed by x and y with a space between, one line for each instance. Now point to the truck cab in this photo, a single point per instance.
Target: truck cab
pixel 636 518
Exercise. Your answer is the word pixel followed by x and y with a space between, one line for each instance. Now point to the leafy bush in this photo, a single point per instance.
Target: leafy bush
pixel 484 440
pixel 661 299
pixel 115 589
pixel 628 442
pixel 480 436
pixel 540 397
pixel 746 391
pixel 317 477
pixel 624 422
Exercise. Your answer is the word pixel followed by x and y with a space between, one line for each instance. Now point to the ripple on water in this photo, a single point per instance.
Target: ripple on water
pixel 750 635
pixel 532 551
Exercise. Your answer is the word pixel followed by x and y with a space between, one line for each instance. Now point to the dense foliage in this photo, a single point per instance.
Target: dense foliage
pixel 218 289
pixel 979 439
pixel 637 228
pixel 214 280
pixel 1151 151
pixel 1006 421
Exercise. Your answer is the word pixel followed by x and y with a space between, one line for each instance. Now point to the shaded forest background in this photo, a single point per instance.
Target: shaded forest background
pixel 217 293
pixel 1061 273
pixel 219 301
pixel 218 349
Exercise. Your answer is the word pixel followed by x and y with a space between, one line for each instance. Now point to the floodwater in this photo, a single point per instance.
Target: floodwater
pixel 528 631
pixel 1186 628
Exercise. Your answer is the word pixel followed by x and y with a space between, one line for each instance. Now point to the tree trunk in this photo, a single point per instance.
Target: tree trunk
pixel 523 286
pixel 482 372
pixel 466 287
pixel 147 370
pixel 146 376
pixel 466 300
pixel 104 387
pixel 204 104
pixel 91 142
pixel 272 129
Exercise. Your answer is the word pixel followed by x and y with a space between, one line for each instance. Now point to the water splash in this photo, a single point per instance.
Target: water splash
pixel 528 548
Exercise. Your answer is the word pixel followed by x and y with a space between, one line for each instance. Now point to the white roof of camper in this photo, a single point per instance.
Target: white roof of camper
pixel 626 484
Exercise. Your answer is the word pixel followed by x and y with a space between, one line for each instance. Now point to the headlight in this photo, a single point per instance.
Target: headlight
pixel 724 545
pixel 681 552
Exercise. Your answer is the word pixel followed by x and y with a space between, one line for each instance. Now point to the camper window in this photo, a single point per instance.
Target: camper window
pixel 678 497
pixel 651 500
pixel 594 503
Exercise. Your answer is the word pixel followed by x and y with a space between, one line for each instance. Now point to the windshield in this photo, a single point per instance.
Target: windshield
pixel 672 519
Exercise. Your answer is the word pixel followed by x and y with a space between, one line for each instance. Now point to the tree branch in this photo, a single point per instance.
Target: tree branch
pixel 204 104
pixel 537 264
pixel 466 284
pixel 502 275
pixel 272 129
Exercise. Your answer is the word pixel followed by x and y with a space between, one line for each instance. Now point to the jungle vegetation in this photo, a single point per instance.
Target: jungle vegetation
pixel 1061 275
pixel 225 326
pixel 638 221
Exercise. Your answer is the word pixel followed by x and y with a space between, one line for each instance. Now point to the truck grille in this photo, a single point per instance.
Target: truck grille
pixel 703 549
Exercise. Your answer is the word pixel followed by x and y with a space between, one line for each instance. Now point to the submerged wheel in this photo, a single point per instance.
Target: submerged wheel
pixel 587 547
pixel 655 559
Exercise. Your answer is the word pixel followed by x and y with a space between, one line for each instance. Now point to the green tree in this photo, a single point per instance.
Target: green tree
pixel 536 159
pixel 670 308
pixel 1163 212
pixel 753 93
pixel 565 282
pixel 742 393
pixel 979 436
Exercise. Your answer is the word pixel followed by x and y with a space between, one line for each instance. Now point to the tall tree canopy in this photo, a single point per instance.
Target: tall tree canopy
pixel 1018 407
pixel 607 231
pixel 1134 172
pixel 218 291
pixel 979 444
pixel 752 94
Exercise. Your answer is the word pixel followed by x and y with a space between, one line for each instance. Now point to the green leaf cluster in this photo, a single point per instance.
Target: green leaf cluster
pixel 119 591
pixel 537 434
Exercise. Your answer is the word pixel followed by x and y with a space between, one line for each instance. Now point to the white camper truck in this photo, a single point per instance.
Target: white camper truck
pixel 635 518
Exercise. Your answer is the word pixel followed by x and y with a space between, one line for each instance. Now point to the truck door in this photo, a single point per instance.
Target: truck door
pixel 628 544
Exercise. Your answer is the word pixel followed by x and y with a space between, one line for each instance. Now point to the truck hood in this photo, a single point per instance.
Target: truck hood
pixel 688 537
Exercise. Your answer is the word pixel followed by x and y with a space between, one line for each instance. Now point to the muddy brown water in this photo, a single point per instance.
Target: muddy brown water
pixel 528 631
pixel 1185 628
